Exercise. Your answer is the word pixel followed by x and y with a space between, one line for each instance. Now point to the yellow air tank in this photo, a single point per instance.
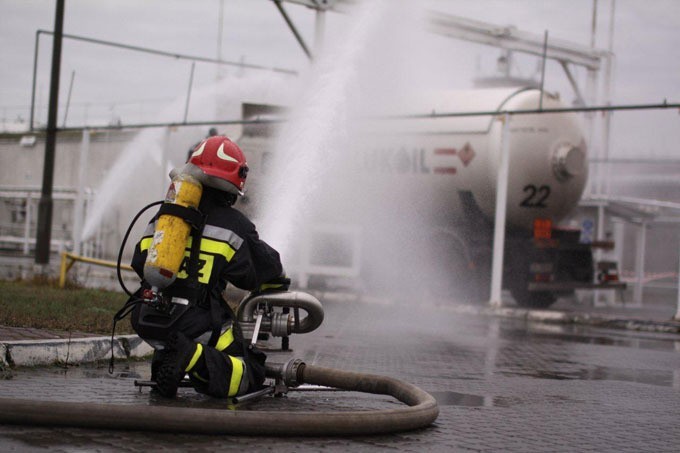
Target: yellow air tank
pixel 171 234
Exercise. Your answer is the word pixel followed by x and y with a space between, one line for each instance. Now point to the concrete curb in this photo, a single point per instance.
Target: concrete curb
pixel 81 350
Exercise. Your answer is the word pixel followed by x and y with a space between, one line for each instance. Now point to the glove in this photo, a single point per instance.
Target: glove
pixel 281 283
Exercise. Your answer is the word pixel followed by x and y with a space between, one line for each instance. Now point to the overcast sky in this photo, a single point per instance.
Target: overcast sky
pixel 117 82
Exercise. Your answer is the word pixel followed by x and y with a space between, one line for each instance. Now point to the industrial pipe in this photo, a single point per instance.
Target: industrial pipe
pixel 287 299
pixel 421 411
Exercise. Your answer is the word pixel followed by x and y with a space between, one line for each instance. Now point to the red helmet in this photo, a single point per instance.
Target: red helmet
pixel 222 162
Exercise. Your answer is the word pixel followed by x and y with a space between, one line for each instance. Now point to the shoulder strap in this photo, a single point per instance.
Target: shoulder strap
pixel 192 265
pixel 192 216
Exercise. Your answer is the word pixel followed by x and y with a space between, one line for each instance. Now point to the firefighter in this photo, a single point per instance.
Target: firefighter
pixel 192 329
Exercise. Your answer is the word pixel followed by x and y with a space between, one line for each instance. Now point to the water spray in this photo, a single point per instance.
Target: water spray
pixel 330 106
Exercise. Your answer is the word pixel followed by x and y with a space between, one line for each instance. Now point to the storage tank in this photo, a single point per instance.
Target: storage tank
pixel 459 157
pixel 405 200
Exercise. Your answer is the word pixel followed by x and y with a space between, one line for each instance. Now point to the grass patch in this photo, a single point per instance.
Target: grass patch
pixel 43 305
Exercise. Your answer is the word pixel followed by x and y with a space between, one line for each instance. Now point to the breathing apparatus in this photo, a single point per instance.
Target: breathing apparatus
pixel 177 216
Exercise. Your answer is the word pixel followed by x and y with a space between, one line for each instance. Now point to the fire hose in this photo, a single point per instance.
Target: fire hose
pixel 420 410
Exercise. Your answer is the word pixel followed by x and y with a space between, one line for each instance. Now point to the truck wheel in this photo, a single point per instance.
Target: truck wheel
pixel 540 299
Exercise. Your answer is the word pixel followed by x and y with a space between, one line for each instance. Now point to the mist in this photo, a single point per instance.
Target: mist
pixel 140 175
pixel 323 179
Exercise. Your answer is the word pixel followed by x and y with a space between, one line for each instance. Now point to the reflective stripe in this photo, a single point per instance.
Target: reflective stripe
pixel 237 367
pixel 266 286
pixel 210 231
pixel 223 235
pixel 215 240
pixel 214 247
pixel 197 355
pixel 207 245
pixel 225 340
pixel 217 248
pixel 145 243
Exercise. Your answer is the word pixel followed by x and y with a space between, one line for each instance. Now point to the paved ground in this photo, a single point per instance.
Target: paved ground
pixel 503 383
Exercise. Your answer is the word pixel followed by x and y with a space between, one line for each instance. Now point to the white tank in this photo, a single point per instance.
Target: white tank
pixel 439 158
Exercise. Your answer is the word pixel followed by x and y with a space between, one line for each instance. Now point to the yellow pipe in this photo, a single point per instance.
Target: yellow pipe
pixel 69 259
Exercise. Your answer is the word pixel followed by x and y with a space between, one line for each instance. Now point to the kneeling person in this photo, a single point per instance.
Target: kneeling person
pixel 194 331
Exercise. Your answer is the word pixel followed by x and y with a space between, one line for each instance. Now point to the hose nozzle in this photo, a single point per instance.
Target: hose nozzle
pixel 290 373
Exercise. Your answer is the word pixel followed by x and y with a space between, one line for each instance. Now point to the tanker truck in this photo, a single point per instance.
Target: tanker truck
pixel 454 161
pixel 440 174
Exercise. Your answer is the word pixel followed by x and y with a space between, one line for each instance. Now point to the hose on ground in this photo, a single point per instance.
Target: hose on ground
pixel 420 411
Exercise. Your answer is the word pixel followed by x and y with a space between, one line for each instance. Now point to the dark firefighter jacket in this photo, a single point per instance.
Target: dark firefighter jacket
pixel 230 251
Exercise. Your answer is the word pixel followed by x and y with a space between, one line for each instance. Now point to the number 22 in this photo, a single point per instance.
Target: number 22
pixel 536 197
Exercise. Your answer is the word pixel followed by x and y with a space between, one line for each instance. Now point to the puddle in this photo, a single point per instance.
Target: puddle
pixel 469 400
pixel 458 399
pixel 603 337
pixel 598 373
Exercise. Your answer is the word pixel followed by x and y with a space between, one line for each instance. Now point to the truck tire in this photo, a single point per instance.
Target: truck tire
pixel 533 299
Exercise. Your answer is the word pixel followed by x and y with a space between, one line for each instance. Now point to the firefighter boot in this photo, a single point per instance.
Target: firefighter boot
pixel 156 362
pixel 181 356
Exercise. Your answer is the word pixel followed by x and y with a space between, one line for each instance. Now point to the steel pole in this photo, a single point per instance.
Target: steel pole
pixel 319 31
pixel 33 83
pixel 191 82
pixel 220 32
pixel 599 236
pixel 294 30
pixel 79 208
pixel 619 239
pixel 501 207
pixel 606 133
pixel 640 263
pixel 44 233
pixel 591 97
pixel 593 25
pixel 164 163
pixel 677 312
pixel 545 52
pixel 27 224
pixel 68 98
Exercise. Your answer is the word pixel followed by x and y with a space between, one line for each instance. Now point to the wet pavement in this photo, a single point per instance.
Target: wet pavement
pixel 503 383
